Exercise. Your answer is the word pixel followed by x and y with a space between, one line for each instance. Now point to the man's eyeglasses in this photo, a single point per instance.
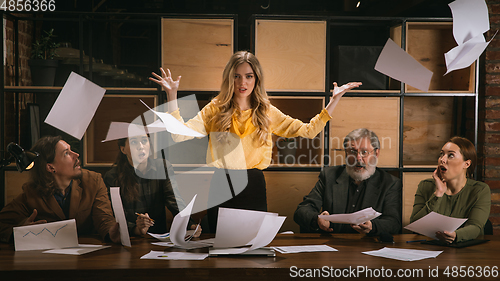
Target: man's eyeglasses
pixel 363 153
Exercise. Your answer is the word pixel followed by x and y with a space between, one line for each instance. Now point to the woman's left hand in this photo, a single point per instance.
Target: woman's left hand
pixel 446 236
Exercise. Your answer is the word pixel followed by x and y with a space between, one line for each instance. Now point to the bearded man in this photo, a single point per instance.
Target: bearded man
pixel 353 187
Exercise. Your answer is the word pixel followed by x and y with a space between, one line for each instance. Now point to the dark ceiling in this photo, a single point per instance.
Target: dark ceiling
pixel 407 8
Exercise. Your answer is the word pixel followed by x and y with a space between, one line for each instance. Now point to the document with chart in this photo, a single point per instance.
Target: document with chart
pixel 54 235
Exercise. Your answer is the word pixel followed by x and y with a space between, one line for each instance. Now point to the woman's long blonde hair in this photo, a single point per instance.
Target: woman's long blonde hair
pixel 259 101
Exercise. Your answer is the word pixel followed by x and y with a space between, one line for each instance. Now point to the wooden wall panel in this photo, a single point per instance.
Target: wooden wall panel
pixel 309 152
pixel 292 54
pixel 285 192
pixel 198 50
pixel 410 185
pixel 427 43
pixel 428 124
pixel 380 115
pixel 13 184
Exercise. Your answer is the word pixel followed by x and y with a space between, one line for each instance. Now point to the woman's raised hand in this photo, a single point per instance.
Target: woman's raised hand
pixel 168 84
pixel 338 92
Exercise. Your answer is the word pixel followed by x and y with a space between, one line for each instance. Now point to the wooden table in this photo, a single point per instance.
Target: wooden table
pixel 122 263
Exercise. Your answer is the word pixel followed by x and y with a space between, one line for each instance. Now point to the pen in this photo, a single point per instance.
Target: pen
pixel 416 241
pixel 143 215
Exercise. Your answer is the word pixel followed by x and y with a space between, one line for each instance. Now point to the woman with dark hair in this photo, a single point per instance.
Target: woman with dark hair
pixel 146 187
pixel 451 192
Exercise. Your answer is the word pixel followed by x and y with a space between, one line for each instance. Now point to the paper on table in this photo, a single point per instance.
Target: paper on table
pixel 80 250
pixel 268 230
pixel 470 19
pixel 433 222
pixel 253 228
pixel 353 218
pixel 157 255
pixel 116 201
pixel 173 125
pixel 75 106
pixel 398 64
pixel 403 254
pixel 465 54
pixel 238 232
pixel 179 226
pixel 54 235
pixel 303 249
pixel 120 130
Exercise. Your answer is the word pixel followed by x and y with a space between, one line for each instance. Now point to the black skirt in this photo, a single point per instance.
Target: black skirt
pixel 252 197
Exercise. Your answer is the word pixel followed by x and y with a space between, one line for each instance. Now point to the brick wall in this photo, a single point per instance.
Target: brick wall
pixel 489 116
pixel 13 134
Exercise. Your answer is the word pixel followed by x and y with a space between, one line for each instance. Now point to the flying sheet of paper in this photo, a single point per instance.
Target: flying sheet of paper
pixel 304 249
pixel 54 235
pixel 470 19
pixel 75 106
pixel 238 232
pixel 464 55
pixel 120 130
pixel 116 201
pixel 398 64
pixel 179 226
pixel 80 250
pixel 433 222
pixel 403 254
pixel 173 125
pixel 353 218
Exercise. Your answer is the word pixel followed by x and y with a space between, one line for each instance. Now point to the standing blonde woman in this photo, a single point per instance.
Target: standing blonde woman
pixel 452 193
pixel 242 110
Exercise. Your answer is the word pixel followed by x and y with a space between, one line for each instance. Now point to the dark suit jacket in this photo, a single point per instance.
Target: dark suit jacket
pixel 89 206
pixel 383 194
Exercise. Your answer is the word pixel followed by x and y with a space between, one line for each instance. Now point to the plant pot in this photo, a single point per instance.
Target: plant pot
pixel 43 72
pixel 286 152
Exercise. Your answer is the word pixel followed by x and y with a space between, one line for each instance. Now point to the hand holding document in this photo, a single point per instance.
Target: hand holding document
pixel 116 201
pixel 403 254
pixel 434 222
pixel 76 105
pixel 54 235
pixel 354 218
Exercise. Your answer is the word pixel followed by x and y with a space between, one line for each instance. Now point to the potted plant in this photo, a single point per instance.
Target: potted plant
pixel 42 63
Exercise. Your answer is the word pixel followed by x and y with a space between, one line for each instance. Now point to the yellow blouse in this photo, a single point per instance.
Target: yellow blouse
pixel 239 150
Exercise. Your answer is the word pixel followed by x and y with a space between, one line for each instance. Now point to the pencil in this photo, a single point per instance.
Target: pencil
pixel 143 215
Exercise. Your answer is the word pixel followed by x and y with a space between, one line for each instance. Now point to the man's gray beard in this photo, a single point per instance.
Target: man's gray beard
pixel 360 176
